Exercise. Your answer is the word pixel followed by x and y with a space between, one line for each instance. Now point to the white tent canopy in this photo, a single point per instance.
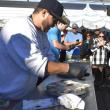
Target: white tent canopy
pixel 93 19
pixel 7 13
pixel 107 22
pixel 88 17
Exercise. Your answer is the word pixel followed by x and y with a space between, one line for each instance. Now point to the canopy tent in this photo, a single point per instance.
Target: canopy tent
pixel 93 19
pixel 107 22
pixel 89 18
pixel 83 15
pixel 7 13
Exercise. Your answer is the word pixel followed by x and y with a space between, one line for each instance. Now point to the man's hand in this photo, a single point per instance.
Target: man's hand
pixel 70 47
pixel 77 42
pixel 101 43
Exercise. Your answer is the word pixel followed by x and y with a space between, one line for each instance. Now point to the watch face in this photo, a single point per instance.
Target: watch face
pixel 77 40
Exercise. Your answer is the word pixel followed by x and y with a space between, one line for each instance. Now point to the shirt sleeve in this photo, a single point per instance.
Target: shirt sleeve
pixel 81 37
pixel 107 46
pixel 53 34
pixel 66 37
pixel 27 55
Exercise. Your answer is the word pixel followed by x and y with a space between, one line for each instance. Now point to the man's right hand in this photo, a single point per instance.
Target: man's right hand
pixel 77 42
pixel 77 69
pixel 70 47
pixel 67 47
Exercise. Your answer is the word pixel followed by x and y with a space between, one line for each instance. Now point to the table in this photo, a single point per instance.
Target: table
pixel 39 93
pixel 90 100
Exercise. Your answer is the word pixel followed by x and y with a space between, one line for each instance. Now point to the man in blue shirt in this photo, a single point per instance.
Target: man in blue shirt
pixel 54 37
pixel 25 51
pixel 73 38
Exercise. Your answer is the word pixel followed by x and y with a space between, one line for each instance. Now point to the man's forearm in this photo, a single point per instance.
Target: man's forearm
pixel 75 69
pixel 55 68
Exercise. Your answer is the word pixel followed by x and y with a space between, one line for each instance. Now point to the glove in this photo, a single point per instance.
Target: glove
pixel 78 69
pixel 74 69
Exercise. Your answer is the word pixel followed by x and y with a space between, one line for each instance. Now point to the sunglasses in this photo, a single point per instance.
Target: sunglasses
pixel 88 35
pixel 101 36
pixel 74 28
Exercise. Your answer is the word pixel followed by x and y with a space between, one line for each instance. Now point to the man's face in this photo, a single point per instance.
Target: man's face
pixel 48 22
pixel 63 27
pixel 74 29
pixel 97 32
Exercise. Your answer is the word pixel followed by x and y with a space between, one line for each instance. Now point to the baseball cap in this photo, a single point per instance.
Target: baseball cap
pixel 54 7
pixel 74 25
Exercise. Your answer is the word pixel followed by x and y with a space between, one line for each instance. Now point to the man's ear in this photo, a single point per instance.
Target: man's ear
pixel 45 12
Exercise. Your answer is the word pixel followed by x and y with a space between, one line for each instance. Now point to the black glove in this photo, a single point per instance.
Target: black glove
pixel 78 69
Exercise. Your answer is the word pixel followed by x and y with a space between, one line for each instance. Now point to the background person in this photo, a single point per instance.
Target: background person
pixel 76 39
pixel 63 52
pixel 87 45
pixel 96 33
pixel 99 57
pixel 54 37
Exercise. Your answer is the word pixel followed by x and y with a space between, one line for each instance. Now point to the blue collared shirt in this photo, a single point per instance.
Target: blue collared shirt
pixel 71 37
